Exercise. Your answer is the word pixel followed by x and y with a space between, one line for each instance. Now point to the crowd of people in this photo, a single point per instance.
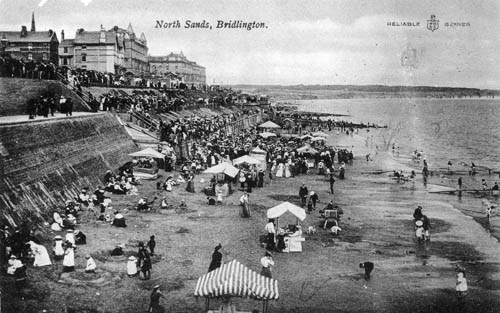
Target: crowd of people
pixel 10 67
pixel 204 142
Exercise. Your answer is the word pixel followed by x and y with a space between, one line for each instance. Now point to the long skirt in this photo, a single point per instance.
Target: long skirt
pixel 67 269
pixel 266 271
pixel 271 246
pixel 245 210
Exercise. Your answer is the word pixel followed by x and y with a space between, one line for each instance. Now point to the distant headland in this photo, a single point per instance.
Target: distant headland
pixel 366 91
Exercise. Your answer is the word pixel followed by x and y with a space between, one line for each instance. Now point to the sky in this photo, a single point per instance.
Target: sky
pixel 304 42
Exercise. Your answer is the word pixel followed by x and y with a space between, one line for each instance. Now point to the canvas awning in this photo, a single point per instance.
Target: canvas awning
pixel 307 149
pixel 246 159
pixel 148 153
pixel 235 279
pixel 223 168
pixel 269 124
pixel 281 209
pixel 267 134
pixel 258 150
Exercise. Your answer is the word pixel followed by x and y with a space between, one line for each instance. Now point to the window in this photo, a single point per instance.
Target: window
pixel 65 61
pixel 84 58
pixel 65 49
pixel 30 46
pixel 84 47
pixel 30 56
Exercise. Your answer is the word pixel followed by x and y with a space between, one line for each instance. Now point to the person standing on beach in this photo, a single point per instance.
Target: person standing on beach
pixel 267 262
pixel 244 205
pixel 368 266
pixel 151 245
pixel 154 305
pixel 461 286
pixel 303 192
pixel 216 258
pixel 313 196
pixel 332 181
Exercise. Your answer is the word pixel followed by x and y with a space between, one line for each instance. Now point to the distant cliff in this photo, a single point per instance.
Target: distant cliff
pixel 367 91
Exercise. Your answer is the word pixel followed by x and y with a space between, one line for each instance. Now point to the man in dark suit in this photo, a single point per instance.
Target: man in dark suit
pixel 303 192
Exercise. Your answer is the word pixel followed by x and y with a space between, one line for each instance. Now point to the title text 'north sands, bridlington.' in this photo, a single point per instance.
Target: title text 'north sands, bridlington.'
pixel 204 24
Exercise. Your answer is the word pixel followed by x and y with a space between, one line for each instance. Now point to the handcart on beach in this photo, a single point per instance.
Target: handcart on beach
pixel 330 216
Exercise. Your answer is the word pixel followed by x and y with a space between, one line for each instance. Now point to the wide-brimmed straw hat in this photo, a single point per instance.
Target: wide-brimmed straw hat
pixel 419 223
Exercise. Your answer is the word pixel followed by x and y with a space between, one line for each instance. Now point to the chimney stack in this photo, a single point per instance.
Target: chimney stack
pixel 33 28
pixel 102 35
pixel 62 35
pixel 24 31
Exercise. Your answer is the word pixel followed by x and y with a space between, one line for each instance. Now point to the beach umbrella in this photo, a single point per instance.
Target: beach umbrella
pixel 148 153
pixel 267 134
pixel 223 168
pixel 269 124
pixel 246 159
pixel 320 134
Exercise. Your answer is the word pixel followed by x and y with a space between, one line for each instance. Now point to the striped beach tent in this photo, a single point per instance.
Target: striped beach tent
pixel 236 280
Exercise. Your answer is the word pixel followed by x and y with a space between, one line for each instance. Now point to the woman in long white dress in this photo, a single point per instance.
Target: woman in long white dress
pixel 281 170
pixel 58 248
pixel 287 170
pixel 69 257
pixel 41 255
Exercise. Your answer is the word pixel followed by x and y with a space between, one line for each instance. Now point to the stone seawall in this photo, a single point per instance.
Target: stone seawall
pixel 15 92
pixel 43 163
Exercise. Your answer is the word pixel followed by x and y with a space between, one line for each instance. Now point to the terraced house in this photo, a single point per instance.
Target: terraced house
pixel 41 46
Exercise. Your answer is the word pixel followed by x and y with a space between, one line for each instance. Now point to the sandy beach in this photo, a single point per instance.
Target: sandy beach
pixel 377 226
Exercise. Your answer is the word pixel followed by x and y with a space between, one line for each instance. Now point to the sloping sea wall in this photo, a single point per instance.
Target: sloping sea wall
pixel 45 162
pixel 15 93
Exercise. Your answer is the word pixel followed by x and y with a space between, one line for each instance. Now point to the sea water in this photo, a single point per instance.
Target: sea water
pixel 457 130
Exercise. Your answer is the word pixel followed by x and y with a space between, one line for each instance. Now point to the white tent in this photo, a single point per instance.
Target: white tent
pixel 260 155
pixel 267 134
pixel 246 159
pixel 281 209
pixel 223 168
pixel 307 149
pixel 269 124
pixel 148 153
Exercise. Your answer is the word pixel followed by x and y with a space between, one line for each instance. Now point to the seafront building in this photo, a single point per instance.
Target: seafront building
pixel 39 46
pixel 116 51
pixel 191 73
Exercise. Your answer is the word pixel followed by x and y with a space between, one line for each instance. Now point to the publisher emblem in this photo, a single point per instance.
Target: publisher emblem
pixel 432 24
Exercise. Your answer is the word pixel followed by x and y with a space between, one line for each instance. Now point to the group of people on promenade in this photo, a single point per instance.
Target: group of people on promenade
pixel 48 104
pixel 11 67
